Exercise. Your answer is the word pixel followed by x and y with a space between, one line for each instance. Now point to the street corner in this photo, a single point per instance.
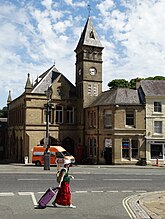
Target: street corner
pixel 146 205
pixel 133 207
pixel 153 203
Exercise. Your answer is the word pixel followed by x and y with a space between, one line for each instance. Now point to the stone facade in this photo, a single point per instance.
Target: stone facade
pixel 154 92
pixel 105 137
pixel 109 127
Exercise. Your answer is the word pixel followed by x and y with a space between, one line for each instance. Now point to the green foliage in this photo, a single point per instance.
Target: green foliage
pixel 3 112
pixel 155 78
pixel 118 83
pixel 132 83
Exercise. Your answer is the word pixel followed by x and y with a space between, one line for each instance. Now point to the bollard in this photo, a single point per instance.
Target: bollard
pixel 26 159
pixel 157 162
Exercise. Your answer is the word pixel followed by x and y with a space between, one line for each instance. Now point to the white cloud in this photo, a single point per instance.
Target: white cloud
pixel 137 34
pixel 105 6
pixel 47 4
pixel 76 3
pixel 62 26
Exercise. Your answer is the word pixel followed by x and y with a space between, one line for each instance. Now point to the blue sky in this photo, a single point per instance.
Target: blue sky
pixel 35 34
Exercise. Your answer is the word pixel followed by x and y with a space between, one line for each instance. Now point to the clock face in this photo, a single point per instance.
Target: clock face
pixel 92 71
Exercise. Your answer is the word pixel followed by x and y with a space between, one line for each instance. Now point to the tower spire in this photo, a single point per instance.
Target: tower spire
pixel 9 99
pixel 28 86
pixel 89 36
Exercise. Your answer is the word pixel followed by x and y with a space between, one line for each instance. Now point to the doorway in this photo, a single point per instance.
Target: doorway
pixel 68 144
pixel 108 155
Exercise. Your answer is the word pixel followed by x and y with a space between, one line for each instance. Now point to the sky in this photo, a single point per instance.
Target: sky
pixel 35 34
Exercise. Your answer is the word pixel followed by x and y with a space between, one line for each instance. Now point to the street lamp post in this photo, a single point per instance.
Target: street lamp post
pixel 48 93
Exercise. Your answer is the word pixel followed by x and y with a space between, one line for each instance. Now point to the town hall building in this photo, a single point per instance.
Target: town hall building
pixel 96 127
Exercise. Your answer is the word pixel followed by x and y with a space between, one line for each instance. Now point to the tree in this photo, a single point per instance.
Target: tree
pixel 132 84
pixel 3 112
pixel 155 78
pixel 118 83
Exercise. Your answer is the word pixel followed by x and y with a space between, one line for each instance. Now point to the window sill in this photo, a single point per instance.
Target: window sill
pixel 157 113
pixel 125 159
pixel 129 126
pixel 161 159
pixel 158 135
pixel 134 159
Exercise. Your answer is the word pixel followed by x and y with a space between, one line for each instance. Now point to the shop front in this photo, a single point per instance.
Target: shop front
pixel 157 152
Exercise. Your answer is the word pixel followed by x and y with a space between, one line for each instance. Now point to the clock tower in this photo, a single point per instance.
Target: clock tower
pixel 88 66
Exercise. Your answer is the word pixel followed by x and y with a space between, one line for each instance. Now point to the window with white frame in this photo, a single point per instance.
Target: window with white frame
pixel 59 114
pixel 158 127
pixel 108 119
pixel 157 107
pixel 156 151
pixel 70 115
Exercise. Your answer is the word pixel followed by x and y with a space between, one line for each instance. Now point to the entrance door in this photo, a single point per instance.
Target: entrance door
pixel 108 155
pixel 68 144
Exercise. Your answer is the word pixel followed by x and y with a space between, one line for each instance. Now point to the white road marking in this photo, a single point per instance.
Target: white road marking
pixel 81 191
pixel 32 196
pixel 6 194
pixel 35 179
pixel 34 199
pixel 127 208
pixel 128 179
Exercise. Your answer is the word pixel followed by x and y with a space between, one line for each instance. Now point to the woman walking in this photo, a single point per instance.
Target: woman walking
pixel 64 194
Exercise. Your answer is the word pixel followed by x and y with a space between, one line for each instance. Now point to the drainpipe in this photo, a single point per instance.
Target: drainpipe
pixel 98 135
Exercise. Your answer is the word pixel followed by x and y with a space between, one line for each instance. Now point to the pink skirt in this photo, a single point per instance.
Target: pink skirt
pixel 64 195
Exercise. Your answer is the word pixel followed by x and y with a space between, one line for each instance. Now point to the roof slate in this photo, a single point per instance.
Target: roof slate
pixel 46 79
pixel 153 87
pixel 118 96
pixel 86 38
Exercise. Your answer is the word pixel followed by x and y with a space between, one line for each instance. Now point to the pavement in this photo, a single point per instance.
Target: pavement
pixel 148 205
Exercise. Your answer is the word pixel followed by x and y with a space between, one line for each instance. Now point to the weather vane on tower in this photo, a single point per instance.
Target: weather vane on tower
pixel 89 10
